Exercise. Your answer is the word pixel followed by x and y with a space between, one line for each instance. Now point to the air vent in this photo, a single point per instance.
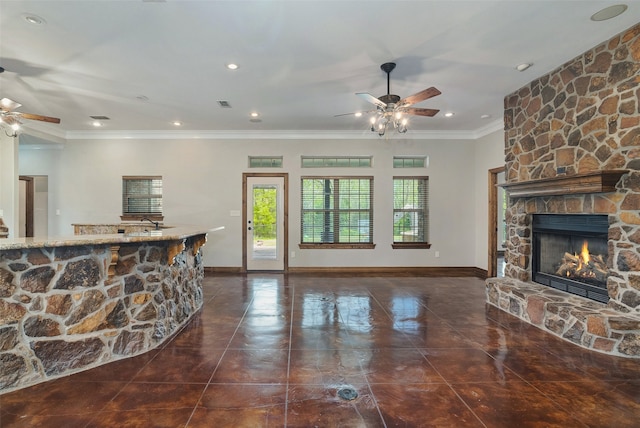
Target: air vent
pixel 99 117
pixel 224 104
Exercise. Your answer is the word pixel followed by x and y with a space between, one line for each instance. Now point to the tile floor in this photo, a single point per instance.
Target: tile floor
pixel 271 350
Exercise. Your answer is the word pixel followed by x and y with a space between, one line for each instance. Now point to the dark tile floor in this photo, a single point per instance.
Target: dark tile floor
pixel 272 350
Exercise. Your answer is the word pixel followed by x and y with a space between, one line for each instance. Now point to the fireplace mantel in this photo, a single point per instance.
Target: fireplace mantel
pixel 593 182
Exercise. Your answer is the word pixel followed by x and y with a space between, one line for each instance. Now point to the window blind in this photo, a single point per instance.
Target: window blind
pixel 142 195
pixel 337 210
pixel 410 209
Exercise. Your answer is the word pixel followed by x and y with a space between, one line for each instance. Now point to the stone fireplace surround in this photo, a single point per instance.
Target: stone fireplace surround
pixel 572 146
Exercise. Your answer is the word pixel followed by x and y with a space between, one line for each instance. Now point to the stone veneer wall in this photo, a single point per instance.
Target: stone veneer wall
pixel 580 118
pixel 60 311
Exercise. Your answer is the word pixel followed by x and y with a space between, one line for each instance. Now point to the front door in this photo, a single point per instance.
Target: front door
pixel 265 225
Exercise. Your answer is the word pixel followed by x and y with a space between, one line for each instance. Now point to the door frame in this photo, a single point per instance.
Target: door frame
pixel 285 209
pixel 492 265
pixel 28 208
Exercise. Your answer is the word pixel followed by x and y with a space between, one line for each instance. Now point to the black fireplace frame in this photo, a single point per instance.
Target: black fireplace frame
pixel 584 225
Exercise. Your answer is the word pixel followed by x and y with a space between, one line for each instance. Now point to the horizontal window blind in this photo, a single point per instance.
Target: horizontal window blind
pixel 410 209
pixel 337 210
pixel 142 195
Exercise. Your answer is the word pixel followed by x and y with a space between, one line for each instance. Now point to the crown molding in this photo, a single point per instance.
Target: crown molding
pixel 267 135
pixel 280 135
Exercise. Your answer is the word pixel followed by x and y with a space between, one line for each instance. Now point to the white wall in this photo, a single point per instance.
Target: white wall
pixel 202 181
pixel 489 154
pixel 9 186
pixel 40 206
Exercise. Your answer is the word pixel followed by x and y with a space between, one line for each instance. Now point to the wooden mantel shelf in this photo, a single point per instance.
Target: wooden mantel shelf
pixel 593 182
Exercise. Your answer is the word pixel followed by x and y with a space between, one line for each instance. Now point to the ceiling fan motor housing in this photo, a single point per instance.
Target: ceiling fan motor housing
pixel 389 99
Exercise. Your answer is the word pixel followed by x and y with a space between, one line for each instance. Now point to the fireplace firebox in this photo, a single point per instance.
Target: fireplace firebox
pixel 570 253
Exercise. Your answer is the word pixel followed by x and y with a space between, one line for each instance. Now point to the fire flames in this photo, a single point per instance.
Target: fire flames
pixel 583 265
pixel 585 256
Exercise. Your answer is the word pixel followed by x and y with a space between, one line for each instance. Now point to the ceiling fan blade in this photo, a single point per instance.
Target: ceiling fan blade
pixel 38 117
pixel 355 113
pixel 7 105
pixel 420 96
pixel 421 111
pixel 371 99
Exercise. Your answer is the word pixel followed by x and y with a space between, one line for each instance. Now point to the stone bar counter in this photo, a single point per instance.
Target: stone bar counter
pixel 73 303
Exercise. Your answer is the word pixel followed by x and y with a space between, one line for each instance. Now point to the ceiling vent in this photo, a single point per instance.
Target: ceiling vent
pixel 224 104
pixel 99 117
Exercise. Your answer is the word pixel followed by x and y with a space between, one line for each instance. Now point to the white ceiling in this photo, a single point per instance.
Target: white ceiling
pixel 301 62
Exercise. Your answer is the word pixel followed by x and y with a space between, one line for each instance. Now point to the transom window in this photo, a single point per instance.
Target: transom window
pixel 336 161
pixel 265 161
pixel 411 212
pixel 337 212
pixel 141 197
pixel 410 161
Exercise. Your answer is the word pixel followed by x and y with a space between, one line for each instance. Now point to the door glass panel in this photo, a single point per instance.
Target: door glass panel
pixel 265 224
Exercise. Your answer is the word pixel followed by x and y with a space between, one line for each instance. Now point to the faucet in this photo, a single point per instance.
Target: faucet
pixel 155 223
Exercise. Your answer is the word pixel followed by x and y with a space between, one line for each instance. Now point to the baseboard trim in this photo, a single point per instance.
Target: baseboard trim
pixel 452 271
pixel 222 269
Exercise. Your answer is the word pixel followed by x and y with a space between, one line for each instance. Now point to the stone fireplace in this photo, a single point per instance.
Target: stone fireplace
pixel 572 147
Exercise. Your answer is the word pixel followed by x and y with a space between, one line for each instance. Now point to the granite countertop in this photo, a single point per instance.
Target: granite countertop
pixel 168 234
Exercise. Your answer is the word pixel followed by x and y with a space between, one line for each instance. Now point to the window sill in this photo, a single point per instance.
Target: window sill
pixel 352 246
pixel 140 217
pixel 410 245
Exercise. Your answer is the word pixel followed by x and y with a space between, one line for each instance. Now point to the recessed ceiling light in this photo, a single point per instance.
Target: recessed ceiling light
pixel 254 114
pixel 34 19
pixel 177 123
pixel 232 66
pixel 97 124
pixel 609 12
pixel 448 114
pixel 485 116
pixel 523 66
pixel 358 114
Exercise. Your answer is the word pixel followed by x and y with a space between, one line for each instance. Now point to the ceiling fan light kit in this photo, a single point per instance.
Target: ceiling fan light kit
pixel 10 120
pixel 391 110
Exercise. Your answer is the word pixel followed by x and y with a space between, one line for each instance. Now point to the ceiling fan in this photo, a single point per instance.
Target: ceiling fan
pixel 391 110
pixel 13 118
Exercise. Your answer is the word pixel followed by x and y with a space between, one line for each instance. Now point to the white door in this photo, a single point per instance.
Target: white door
pixel 265 226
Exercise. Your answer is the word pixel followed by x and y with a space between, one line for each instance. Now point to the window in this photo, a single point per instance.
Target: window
pixel 410 161
pixel 265 161
pixel 337 212
pixel 141 197
pixel 336 161
pixel 411 212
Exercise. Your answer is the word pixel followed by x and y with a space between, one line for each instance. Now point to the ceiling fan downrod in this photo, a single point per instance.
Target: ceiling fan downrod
pixel 388 67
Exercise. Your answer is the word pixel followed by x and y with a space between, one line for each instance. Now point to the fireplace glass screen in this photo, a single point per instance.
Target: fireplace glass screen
pixel 570 253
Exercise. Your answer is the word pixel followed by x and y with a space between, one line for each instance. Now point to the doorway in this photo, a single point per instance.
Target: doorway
pixel 25 226
pixel 497 238
pixel 265 213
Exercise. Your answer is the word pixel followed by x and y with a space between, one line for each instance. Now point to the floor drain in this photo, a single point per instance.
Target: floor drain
pixel 348 394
